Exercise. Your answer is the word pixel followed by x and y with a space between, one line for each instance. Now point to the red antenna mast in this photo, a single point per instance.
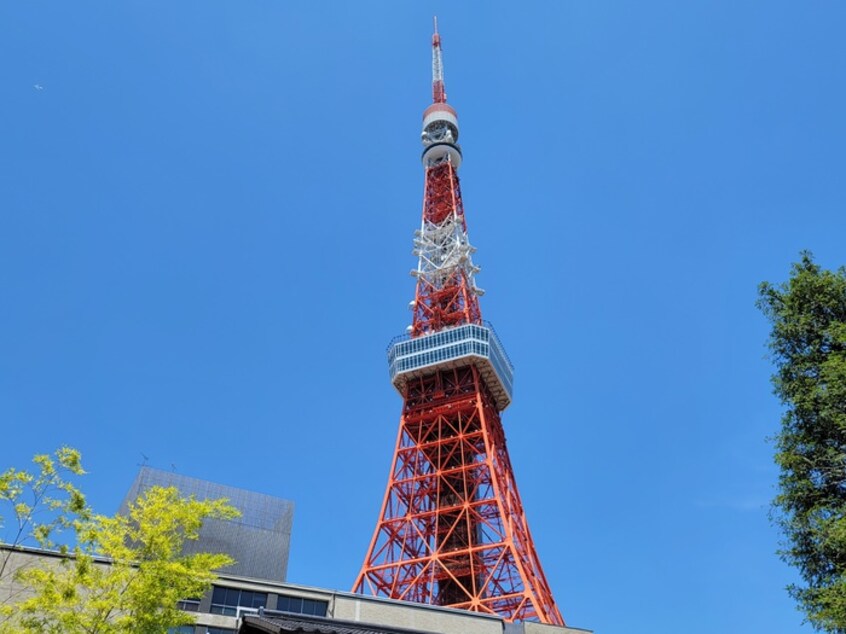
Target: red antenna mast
pixel 452 531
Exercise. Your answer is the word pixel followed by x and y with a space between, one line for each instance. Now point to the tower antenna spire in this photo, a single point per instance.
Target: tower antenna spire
pixel 438 89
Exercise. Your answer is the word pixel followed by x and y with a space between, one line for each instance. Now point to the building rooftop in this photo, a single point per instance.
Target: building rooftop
pixel 243 605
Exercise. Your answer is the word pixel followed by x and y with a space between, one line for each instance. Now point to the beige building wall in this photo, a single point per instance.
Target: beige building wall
pixel 343 606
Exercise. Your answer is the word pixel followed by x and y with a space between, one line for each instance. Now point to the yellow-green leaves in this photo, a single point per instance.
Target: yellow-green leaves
pixel 70 459
pixel 125 573
pixel 37 505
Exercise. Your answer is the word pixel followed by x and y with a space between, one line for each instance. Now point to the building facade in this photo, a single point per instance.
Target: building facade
pixel 245 605
pixel 259 540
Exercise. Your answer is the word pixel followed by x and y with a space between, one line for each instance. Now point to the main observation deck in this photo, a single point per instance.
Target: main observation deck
pixel 410 357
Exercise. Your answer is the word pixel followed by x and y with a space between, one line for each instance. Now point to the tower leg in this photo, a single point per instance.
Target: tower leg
pixel 452 530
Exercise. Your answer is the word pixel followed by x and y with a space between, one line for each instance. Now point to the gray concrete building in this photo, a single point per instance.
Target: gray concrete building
pixel 259 541
pixel 244 605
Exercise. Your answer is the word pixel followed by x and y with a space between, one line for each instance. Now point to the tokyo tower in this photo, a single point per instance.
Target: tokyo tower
pixel 452 531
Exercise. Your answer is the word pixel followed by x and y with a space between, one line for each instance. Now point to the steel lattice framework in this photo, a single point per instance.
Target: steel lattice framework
pixel 452 530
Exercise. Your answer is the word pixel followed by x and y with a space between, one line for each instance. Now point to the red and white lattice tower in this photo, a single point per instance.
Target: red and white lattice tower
pixel 452 531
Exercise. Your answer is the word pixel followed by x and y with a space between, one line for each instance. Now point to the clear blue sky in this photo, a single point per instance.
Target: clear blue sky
pixel 206 215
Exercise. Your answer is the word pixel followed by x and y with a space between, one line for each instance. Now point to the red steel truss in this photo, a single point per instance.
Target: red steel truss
pixel 452 531
pixel 451 301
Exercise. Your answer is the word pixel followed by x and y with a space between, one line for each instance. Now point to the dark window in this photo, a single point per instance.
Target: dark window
pixel 182 629
pixel 299 605
pixel 219 630
pixel 228 600
pixel 189 605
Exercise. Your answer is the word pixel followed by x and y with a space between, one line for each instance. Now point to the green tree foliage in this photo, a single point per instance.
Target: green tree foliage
pixel 43 503
pixel 808 344
pixel 124 574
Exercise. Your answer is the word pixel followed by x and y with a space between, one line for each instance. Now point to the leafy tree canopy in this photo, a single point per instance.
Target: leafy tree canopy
pixel 123 574
pixel 808 344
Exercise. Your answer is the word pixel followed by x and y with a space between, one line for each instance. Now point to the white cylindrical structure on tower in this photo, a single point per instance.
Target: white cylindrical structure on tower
pixel 440 135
